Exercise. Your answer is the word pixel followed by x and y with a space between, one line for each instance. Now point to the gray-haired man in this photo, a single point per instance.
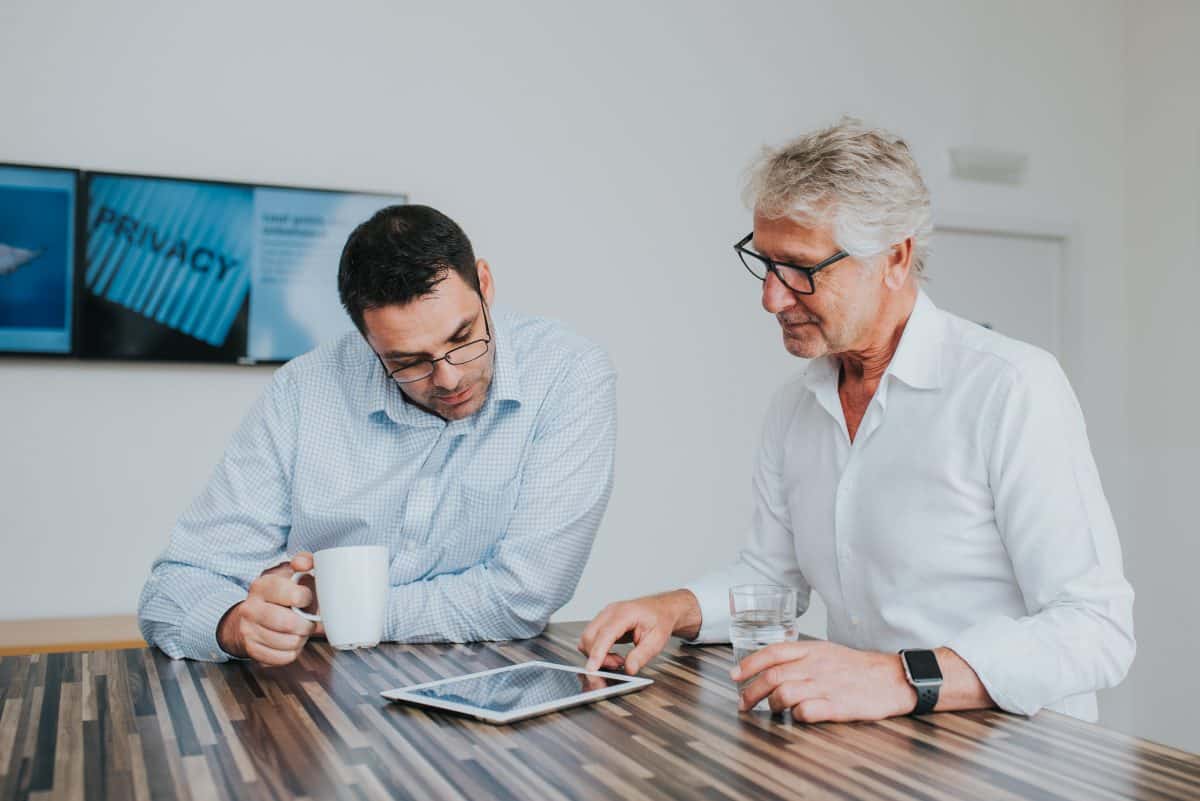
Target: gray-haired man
pixel 930 478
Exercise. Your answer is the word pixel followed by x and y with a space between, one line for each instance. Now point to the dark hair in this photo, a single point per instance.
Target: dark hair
pixel 401 254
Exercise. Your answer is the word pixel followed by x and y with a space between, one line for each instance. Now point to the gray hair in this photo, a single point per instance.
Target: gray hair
pixel 863 180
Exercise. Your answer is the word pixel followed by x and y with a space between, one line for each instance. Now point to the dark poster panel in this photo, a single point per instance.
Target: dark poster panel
pixel 165 272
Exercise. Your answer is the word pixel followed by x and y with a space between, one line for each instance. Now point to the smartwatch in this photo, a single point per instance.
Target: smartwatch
pixel 922 671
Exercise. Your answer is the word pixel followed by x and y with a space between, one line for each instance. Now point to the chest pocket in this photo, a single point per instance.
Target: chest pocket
pixel 481 521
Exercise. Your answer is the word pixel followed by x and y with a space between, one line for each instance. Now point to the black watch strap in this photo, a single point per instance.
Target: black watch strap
pixel 923 674
pixel 927 696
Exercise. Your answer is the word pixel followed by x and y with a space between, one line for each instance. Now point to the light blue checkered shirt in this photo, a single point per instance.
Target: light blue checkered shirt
pixel 489 519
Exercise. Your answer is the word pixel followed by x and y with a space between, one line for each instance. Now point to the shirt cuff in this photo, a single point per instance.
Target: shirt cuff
pixel 712 591
pixel 1002 658
pixel 198 633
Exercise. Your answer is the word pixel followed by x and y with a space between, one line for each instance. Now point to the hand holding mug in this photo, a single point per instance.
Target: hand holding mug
pixel 263 627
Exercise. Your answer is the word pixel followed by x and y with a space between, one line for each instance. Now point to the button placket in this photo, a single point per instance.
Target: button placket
pixel 842 528
pixel 416 517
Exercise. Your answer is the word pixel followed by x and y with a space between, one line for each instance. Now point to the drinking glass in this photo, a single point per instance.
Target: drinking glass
pixel 760 615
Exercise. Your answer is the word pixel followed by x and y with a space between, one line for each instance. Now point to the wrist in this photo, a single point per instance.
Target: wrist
pixel 227 632
pixel 687 616
pixel 904 695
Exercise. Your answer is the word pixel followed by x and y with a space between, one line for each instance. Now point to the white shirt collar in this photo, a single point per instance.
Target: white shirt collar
pixel 917 360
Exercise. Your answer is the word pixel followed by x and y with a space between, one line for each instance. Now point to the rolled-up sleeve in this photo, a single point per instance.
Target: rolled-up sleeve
pixel 237 527
pixel 535 565
pixel 1062 541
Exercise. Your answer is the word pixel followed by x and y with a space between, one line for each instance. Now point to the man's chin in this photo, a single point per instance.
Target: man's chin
pixel 462 410
pixel 804 346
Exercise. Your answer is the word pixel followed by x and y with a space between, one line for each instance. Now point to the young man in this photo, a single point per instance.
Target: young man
pixel 477 446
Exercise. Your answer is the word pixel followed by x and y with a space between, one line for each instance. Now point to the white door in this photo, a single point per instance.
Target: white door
pixel 1009 282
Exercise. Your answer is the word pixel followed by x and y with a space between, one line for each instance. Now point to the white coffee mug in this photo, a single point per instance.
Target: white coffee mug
pixel 352 590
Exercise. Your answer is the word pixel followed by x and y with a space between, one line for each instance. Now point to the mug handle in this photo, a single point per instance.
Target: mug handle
pixel 306 615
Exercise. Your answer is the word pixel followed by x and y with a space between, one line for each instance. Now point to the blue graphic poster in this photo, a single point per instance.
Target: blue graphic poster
pixel 298 240
pixel 173 252
pixel 192 270
pixel 37 246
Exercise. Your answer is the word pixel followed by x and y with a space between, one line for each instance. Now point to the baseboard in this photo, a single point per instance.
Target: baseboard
pixel 60 634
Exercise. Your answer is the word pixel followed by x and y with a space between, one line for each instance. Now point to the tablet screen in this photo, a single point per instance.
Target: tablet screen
pixel 524 686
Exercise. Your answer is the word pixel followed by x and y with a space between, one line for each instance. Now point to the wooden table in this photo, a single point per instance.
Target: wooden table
pixel 134 725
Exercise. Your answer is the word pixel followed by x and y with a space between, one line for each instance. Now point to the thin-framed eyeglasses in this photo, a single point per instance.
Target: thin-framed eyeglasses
pixel 795 277
pixel 469 352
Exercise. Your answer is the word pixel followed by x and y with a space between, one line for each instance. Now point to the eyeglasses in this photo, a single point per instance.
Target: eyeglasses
pixel 793 276
pixel 419 371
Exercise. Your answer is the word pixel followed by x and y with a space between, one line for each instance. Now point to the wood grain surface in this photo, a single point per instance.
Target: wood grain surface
pixel 133 724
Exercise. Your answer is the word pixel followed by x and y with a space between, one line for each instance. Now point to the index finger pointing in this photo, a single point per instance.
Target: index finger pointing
pixel 604 640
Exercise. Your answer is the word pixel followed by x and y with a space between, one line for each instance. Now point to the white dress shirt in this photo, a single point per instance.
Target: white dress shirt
pixel 967 513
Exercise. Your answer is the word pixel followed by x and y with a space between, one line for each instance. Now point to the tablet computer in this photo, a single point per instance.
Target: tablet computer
pixel 517 692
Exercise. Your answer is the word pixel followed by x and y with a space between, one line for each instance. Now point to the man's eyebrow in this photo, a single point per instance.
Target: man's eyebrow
pixel 798 259
pixel 462 329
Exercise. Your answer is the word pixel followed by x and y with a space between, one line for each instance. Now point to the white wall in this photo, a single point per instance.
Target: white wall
pixel 1163 275
pixel 595 155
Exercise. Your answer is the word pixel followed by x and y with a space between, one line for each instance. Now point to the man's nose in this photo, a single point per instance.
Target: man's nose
pixel 776 297
pixel 446 375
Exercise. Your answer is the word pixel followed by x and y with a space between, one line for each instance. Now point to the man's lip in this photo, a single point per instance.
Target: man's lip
pixel 457 398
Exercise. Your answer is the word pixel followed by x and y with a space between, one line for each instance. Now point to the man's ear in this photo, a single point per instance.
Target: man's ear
pixel 486 287
pixel 898 264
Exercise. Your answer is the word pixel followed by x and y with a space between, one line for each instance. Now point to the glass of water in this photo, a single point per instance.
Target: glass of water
pixel 760 615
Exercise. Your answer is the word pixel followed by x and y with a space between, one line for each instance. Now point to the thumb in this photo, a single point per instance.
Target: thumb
pixel 302 561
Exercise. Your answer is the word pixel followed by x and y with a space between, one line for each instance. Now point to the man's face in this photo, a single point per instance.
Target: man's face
pixel 424 329
pixel 840 310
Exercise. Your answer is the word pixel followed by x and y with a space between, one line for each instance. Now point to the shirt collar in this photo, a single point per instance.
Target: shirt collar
pixel 917 360
pixel 383 395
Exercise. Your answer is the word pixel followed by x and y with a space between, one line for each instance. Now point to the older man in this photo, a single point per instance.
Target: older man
pixel 930 478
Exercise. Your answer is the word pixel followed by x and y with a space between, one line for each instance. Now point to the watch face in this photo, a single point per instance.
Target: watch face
pixel 922 666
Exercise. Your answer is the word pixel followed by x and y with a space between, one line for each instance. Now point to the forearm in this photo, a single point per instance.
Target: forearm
pixel 961 687
pixel 1029 663
pixel 180 610
pixel 486 602
pixel 685 608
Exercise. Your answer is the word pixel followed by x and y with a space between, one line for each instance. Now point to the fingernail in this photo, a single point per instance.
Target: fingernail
pixel 733 674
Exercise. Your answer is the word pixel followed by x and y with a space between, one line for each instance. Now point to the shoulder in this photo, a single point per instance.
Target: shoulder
pixel 974 352
pixel 791 399
pixel 546 351
pixel 339 363
pixel 1000 377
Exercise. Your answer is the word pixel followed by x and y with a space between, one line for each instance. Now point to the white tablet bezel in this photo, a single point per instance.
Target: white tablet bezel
pixel 628 684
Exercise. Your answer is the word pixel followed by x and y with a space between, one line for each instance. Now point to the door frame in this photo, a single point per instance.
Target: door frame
pixel 1066 234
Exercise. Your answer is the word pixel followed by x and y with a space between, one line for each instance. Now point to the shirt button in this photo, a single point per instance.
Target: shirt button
pixel 853 621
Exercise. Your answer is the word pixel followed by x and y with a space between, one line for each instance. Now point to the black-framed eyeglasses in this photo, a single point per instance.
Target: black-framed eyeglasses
pixel 419 371
pixel 795 277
